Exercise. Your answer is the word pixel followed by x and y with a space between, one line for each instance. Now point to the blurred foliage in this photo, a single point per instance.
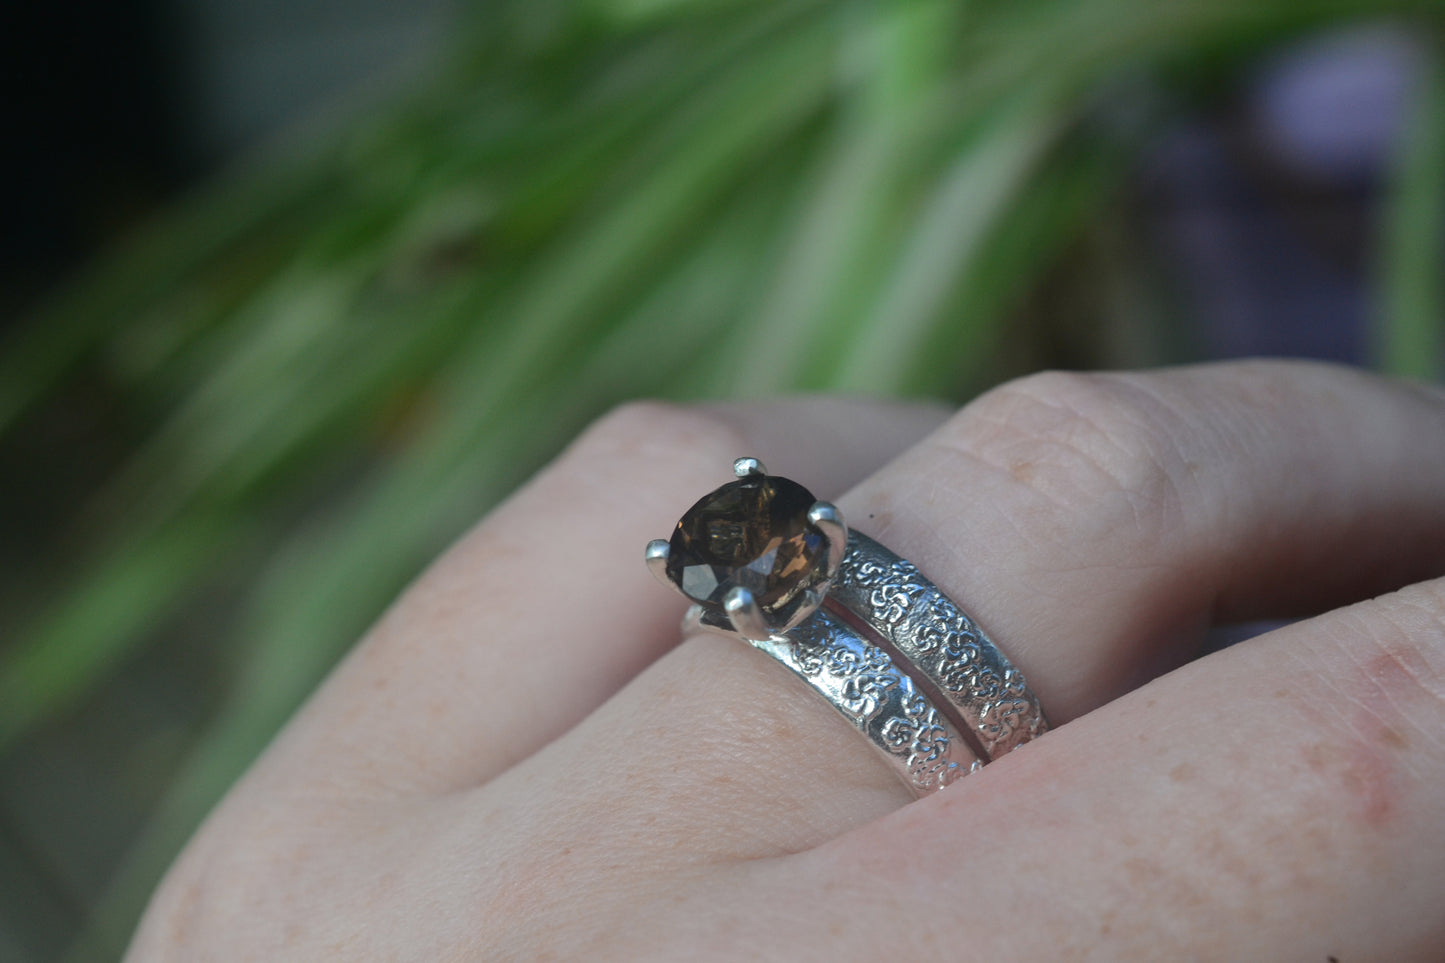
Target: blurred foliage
pixel 317 371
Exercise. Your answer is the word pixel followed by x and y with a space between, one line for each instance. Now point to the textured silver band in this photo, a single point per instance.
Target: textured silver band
pixel 928 630
pixel 861 681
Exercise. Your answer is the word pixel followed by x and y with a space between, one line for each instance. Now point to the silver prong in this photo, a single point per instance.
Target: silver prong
pixel 745 614
pixel 657 550
pixel 825 517
pixel 692 621
pixel 744 467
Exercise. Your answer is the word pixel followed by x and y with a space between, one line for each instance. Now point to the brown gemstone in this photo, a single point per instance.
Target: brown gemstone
pixel 752 532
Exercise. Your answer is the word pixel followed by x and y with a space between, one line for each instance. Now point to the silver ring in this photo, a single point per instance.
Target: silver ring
pixel 861 681
pixel 938 638
pixel 764 561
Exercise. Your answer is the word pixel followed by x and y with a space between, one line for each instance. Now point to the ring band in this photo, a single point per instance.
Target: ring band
pixel 860 680
pixel 764 561
pixel 928 630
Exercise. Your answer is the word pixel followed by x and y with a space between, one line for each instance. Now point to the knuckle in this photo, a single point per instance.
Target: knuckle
pixel 1094 445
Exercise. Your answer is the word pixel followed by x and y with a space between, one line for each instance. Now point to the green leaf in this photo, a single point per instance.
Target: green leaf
pixel 1412 299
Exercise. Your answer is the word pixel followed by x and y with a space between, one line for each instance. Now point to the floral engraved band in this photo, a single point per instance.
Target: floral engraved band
pixel 864 685
pixel 926 628
pixel 762 560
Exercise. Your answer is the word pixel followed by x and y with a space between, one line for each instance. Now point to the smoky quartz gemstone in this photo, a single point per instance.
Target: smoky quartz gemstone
pixel 754 533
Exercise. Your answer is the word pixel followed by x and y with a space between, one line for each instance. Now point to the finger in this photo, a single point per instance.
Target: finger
pixel 1279 800
pixel 1096 525
pixel 1090 523
pixel 544 609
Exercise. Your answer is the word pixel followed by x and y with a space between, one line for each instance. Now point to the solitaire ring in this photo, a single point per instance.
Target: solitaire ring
pixel 762 560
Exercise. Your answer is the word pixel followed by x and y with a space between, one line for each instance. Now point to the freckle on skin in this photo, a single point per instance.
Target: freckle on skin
pixel 1182 772
pixel 1390 682
pixel 1363 774
pixel 882 515
pixel 1370 741
pixel 1022 471
pixel 1141 872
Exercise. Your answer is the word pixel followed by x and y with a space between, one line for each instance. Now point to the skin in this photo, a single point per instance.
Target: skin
pixel 522 761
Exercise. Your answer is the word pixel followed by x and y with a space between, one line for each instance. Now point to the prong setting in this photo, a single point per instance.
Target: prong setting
pixel 657 552
pixel 745 614
pixel 825 517
pixel 755 556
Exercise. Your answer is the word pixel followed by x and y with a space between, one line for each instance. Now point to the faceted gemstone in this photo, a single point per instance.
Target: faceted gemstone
pixel 752 532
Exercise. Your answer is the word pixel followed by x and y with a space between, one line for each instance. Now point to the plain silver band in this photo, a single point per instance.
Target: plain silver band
pixel 861 681
pixel 928 630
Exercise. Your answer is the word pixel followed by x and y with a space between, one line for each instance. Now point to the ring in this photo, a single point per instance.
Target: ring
pixel 862 682
pixel 762 560
pixel 939 639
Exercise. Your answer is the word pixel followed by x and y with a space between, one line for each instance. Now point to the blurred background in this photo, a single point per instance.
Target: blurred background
pixel 293 291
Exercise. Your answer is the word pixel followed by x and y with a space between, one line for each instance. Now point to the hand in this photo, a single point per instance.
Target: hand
pixel 520 762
